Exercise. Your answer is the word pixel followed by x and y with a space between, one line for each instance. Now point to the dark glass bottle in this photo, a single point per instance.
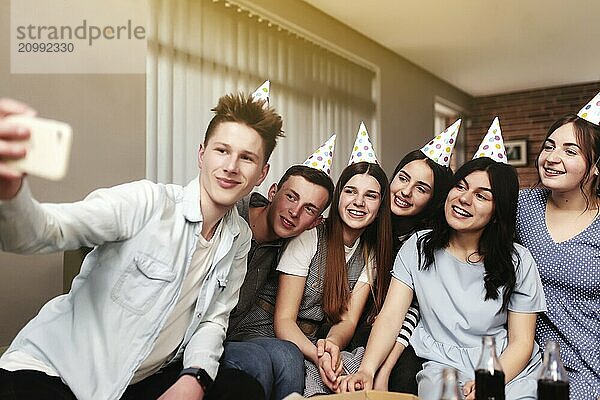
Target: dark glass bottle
pixel 489 376
pixel 450 390
pixel 553 382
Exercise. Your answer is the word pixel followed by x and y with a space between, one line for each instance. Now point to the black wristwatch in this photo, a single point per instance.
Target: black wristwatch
pixel 202 377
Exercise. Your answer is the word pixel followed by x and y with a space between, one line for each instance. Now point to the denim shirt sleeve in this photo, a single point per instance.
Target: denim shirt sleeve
pixel 105 215
pixel 206 345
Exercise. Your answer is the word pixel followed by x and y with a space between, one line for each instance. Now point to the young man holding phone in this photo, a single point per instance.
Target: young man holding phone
pixel 156 292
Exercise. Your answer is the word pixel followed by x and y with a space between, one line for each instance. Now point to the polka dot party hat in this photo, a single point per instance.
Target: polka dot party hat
pixel 363 149
pixel 591 111
pixel 492 145
pixel 262 93
pixel 322 157
pixel 440 148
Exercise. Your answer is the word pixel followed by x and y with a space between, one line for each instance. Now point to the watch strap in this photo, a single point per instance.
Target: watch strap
pixel 202 377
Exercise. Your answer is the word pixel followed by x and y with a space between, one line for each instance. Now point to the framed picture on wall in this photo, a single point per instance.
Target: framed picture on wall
pixel 516 152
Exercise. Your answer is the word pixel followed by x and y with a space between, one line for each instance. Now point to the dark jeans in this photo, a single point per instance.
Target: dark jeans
pixel 35 385
pixel 277 364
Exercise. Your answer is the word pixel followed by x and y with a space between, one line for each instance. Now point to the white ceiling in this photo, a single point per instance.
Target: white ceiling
pixel 484 46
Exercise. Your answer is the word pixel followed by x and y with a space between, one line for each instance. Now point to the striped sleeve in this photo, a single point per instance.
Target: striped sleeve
pixel 410 323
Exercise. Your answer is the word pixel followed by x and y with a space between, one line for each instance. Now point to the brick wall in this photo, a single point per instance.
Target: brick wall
pixel 526 115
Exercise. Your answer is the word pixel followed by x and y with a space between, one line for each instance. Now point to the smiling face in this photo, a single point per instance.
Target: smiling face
pixel 561 163
pixel 296 206
pixel 231 163
pixel 411 189
pixel 359 202
pixel 469 206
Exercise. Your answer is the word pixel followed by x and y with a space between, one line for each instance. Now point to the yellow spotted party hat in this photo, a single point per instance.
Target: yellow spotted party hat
pixel 492 145
pixel 363 149
pixel 440 148
pixel 322 157
pixel 591 111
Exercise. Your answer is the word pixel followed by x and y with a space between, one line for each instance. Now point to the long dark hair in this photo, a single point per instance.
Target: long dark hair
pixel 588 139
pixel 376 238
pixel 496 245
pixel 442 179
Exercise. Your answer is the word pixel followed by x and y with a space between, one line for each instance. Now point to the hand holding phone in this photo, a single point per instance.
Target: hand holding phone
pixel 48 147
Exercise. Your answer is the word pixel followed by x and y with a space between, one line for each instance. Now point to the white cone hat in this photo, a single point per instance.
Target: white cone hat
pixel 323 156
pixel 492 145
pixel 262 93
pixel 363 149
pixel 440 148
pixel 591 111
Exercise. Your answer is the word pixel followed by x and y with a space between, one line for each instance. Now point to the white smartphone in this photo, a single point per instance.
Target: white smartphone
pixel 48 147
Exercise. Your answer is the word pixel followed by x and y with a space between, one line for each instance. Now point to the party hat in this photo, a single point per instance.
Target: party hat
pixel 439 149
pixel 262 93
pixel 591 111
pixel 492 145
pixel 363 149
pixel 322 157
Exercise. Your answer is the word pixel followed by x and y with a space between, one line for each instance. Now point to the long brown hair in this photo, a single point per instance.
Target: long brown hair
pixel 376 238
pixel 588 139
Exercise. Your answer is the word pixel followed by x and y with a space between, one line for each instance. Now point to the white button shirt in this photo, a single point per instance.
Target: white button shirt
pixel 144 235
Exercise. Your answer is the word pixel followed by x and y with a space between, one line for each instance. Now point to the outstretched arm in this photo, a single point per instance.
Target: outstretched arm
pixel 408 326
pixel 287 304
pixel 521 334
pixel 382 377
pixel 339 335
pixel 382 337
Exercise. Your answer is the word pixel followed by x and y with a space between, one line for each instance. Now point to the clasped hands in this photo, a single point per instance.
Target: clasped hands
pixel 329 363
pixel 331 368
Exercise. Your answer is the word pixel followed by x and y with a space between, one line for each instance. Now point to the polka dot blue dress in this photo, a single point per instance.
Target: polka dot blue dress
pixel 570 273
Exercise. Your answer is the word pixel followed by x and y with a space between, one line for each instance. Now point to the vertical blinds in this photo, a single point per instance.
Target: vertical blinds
pixel 202 49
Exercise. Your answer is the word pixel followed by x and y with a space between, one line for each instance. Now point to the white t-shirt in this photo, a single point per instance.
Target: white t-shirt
pixel 300 251
pixel 19 360
pixel 174 329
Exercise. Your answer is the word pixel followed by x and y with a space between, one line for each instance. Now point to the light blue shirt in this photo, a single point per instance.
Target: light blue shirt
pixel 455 315
pixel 144 235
